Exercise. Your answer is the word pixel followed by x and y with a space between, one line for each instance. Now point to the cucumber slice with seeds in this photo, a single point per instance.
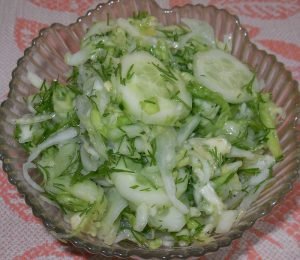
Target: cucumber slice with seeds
pixel 223 73
pixel 153 94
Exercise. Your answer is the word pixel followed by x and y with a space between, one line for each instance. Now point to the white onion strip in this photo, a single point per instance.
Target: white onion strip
pixel 28 179
pixel 124 234
pixel 34 79
pixel 29 119
pixel 77 58
pixel 170 188
pixel 51 202
pixel 60 137
pixel 141 217
pixel 166 160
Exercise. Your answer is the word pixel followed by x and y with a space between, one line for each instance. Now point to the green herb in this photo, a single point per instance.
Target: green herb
pixel 145 189
pixel 250 171
pixel 217 157
pixel 44 98
pixel 166 74
pixel 130 73
pixel 140 15
pixel 181 180
pixel 249 86
pixel 176 97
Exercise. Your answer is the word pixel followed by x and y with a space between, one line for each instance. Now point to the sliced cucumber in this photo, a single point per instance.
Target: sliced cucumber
pixel 130 189
pixel 148 96
pixel 224 74
pixel 86 190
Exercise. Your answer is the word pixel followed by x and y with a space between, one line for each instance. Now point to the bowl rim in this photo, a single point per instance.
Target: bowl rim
pixel 106 250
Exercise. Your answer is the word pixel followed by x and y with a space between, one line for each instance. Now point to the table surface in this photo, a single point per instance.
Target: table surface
pixel 274 25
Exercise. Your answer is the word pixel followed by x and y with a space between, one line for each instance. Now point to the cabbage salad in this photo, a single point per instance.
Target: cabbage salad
pixel 159 136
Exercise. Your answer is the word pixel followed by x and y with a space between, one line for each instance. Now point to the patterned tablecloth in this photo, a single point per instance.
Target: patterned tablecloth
pixel 273 25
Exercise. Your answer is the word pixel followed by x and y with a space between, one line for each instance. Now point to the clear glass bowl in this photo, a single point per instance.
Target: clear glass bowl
pixel 46 58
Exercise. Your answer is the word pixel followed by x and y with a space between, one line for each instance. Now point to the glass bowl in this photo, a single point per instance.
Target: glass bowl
pixel 46 58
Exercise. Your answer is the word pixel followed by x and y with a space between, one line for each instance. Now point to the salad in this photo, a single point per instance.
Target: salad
pixel 159 136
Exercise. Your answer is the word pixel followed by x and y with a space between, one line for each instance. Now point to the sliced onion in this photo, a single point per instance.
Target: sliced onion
pixel 110 238
pixel 240 153
pixel 226 221
pixel 28 179
pixel 168 241
pixel 211 196
pixel 231 167
pixel 166 160
pixel 172 220
pixel 50 202
pixel 90 163
pixel 126 26
pixel 105 183
pixel 75 220
pixel 26 134
pixel 116 204
pixel 170 188
pixel 123 235
pixel 34 79
pixel 29 119
pixel 133 31
pixel 141 217
pixel 99 28
pixel 247 201
pixel 187 129
pixel 199 30
pixel 257 179
pixel 77 58
pixel 60 137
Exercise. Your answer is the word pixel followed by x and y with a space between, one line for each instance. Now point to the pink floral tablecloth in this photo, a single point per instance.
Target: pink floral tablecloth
pixel 274 25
